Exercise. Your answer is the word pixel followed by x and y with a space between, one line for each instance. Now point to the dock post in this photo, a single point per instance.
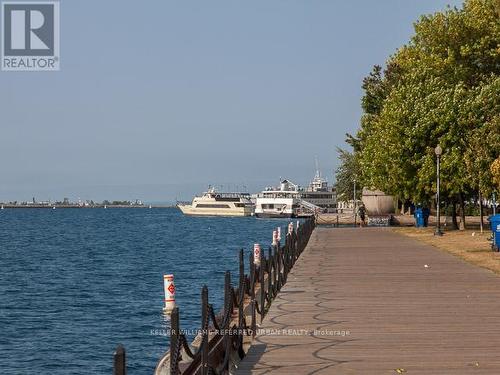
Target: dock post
pixel 226 323
pixel 286 254
pixel 241 290
pixel 227 294
pixel 204 329
pixel 279 282
pixel 256 254
pixel 270 266
pixel 174 341
pixel 276 265
pixel 251 276
pixel 262 288
pixel 119 363
pixel 254 318
pixel 169 287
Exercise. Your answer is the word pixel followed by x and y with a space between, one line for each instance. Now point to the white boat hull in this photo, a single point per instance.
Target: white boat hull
pixel 276 206
pixel 273 215
pixel 188 209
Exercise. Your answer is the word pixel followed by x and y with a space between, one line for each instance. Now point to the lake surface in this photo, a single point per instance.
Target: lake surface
pixel 76 282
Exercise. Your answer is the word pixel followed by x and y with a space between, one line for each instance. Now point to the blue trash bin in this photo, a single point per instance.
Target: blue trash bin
pixel 419 217
pixel 495 228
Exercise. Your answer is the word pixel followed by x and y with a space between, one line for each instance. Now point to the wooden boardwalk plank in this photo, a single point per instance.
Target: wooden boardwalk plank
pixel 361 301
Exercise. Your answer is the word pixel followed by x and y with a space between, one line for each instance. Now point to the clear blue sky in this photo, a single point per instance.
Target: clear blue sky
pixel 156 99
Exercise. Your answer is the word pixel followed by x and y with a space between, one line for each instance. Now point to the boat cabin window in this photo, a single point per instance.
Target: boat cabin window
pixel 227 199
pixel 205 205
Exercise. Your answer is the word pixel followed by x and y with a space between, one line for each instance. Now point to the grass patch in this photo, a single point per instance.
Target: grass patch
pixel 470 245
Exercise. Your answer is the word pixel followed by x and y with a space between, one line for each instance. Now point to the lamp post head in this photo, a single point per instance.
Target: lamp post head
pixel 438 150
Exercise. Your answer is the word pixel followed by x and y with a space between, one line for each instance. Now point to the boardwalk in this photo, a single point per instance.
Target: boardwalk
pixel 401 316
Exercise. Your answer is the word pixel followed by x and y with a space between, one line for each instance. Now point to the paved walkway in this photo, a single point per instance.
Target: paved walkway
pixel 401 316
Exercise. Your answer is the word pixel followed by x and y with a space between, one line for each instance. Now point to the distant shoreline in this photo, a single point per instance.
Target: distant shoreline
pixel 39 206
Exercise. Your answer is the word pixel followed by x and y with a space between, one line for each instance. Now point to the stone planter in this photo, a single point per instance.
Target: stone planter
pixel 377 202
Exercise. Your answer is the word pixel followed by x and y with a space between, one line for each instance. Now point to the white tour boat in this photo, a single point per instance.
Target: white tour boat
pixel 283 201
pixel 213 203
pixel 320 194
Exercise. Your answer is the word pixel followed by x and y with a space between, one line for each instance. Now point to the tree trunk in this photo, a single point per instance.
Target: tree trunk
pixel 454 214
pixel 481 224
pixel 462 211
pixel 444 212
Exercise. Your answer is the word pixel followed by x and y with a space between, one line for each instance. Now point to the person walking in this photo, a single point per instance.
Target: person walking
pixel 362 214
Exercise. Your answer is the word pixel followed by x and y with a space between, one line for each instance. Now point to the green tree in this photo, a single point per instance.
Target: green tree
pixel 440 88
pixel 346 175
pixel 495 171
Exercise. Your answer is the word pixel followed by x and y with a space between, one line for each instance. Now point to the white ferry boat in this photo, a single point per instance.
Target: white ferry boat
pixel 213 203
pixel 320 194
pixel 283 201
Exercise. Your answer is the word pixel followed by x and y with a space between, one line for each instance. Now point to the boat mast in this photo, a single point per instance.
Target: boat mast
pixel 318 173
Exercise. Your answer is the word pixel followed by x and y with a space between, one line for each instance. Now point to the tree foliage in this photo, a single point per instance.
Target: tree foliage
pixel 347 174
pixel 442 87
pixel 495 171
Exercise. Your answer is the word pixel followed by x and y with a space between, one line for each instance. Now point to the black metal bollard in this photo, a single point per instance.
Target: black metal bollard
pixel 174 341
pixel 252 276
pixel 269 265
pixel 119 361
pixel 262 287
pixel 254 318
pixel 228 298
pixel 279 251
pixel 241 290
pixel 286 254
pixel 276 272
pixel 204 325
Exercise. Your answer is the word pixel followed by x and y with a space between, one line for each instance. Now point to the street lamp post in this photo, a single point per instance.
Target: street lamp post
pixel 438 150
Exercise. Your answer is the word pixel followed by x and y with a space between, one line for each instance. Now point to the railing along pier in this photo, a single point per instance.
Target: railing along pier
pixel 224 338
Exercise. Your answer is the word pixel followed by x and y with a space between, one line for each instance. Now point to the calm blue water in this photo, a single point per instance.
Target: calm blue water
pixel 76 282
